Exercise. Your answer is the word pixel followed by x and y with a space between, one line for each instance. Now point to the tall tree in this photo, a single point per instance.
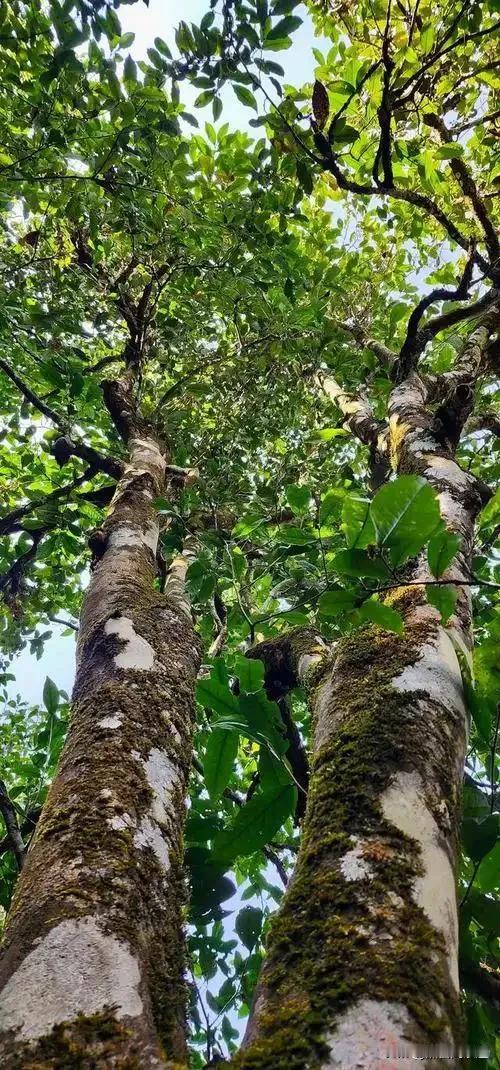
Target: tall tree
pixel 279 338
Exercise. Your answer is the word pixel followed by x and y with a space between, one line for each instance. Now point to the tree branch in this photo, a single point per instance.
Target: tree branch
pixel 470 190
pixel 11 823
pixel 385 355
pixel 416 340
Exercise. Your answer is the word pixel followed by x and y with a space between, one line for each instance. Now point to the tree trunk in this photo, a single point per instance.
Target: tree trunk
pixel 92 970
pixel 362 963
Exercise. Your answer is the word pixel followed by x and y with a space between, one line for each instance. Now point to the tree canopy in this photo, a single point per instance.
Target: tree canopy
pixel 278 287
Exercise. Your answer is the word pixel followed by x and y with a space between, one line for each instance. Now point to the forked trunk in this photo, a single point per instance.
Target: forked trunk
pixel 93 960
pixel 362 960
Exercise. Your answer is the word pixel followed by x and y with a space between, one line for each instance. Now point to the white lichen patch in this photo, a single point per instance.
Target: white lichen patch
pixel 110 722
pixel 436 672
pixel 125 536
pixel 149 834
pixel 370 1034
pixel 354 867
pixel 404 805
pixel 75 969
pixel 136 652
pixel 163 778
pixel 120 821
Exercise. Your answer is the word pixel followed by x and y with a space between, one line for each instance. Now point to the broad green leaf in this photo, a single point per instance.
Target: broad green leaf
pixel 50 696
pixel 220 756
pixel 283 28
pixel 443 597
pixel 273 772
pixel 488 875
pixel 331 505
pixel 248 925
pixel 298 497
pixel 357 523
pixel 441 550
pixel 264 717
pixel 250 673
pixel 255 824
pixel 385 616
pixel 486 911
pixel 334 603
pixel 358 563
pixel 245 96
pixel 449 152
pixel 480 836
pixel 129 70
pixel 214 694
pixel 405 513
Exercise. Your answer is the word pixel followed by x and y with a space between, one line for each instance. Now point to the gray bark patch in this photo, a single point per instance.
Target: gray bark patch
pixel 75 969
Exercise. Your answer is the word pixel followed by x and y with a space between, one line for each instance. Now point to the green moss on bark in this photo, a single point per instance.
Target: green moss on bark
pixel 334 941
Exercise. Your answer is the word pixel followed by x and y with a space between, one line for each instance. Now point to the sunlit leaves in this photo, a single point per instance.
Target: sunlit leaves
pixel 404 514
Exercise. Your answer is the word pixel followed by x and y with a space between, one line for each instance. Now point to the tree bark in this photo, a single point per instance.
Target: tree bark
pixel 92 969
pixel 362 959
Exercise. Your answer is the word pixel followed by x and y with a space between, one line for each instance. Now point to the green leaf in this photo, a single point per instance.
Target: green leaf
pixel 283 28
pixel 216 108
pixel 359 563
pixel 304 175
pixel 220 755
pixel 449 152
pixel 488 876
pixel 298 497
pixel 213 693
pixel 486 911
pixel 326 434
pixel 444 598
pixel 162 47
pixel 129 70
pixel 248 925
pixel 255 824
pixel 334 603
pixel 250 673
pixel 441 550
pixel 284 7
pixel 383 615
pixel 357 523
pixel 479 836
pixel 272 771
pixel 50 696
pixel 245 96
pixel 289 535
pixel 263 716
pixel 405 513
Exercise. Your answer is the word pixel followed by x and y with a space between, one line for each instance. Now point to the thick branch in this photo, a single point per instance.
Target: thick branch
pixel 11 823
pixel 357 413
pixel 30 394
pixel 416 340
pixel 13 520
pixel 78 449
pixel 385 355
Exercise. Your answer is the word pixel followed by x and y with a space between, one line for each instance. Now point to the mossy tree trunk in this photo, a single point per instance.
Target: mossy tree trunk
pixel 362 957
pixel 93 959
